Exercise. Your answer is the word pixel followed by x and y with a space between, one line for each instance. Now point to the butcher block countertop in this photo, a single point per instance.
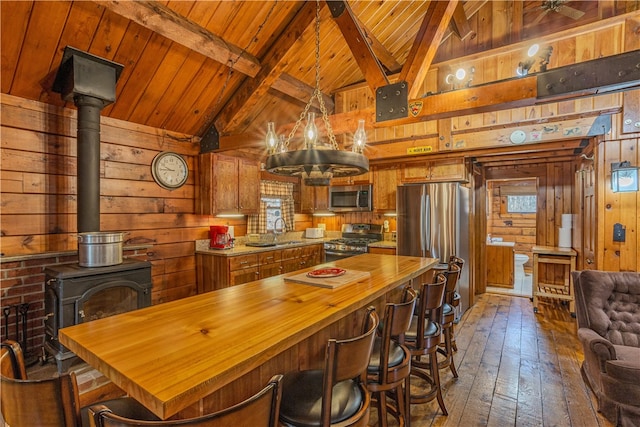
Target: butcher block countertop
pixel 171 355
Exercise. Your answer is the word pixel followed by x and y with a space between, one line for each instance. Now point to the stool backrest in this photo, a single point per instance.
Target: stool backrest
pixel 397 319
pixel 260 410
pixel 348 359
pixel 23 402
pixel 457 261
pixel 430 305
pixel 452 275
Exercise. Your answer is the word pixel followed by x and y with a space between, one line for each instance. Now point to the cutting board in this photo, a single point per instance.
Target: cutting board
pixel 351 276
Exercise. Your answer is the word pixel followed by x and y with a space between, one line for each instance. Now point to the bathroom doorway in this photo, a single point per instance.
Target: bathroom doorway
pixel 511 234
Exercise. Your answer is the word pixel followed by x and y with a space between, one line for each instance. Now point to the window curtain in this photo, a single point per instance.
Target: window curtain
pixel 273 189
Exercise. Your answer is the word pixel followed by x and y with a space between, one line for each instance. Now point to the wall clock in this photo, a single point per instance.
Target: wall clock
pixel 169 170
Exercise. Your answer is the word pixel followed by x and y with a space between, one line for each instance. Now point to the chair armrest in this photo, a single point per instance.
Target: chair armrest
pixel 624 371
pixel 94 414
pixel 598 346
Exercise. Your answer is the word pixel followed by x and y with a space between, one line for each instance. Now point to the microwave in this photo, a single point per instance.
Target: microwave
pixel 350 198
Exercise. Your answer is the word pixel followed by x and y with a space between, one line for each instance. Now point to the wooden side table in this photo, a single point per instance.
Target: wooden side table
pixel 564 291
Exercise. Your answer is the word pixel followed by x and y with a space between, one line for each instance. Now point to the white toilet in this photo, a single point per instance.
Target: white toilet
pixel 519 260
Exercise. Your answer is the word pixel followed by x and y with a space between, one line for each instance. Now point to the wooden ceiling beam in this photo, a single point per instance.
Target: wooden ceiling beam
pixel 301 91
pixel 425 46
pixel 164 21
pixel 380 51
pixel 460 23
pixel 357 42
pixel 237 110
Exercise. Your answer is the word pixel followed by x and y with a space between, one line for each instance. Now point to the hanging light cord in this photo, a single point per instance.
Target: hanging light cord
pixel 316 94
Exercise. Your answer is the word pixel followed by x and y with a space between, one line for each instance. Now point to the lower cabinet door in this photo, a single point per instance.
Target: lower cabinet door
pixel 238 277
pixel 270 270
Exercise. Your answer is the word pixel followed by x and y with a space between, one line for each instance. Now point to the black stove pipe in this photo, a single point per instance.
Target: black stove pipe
pixel 90 82
pixel 88 202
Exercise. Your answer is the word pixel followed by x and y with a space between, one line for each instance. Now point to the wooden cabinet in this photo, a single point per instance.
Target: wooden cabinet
pixel 365 178
pixel 500 266
pixel 243 269
pixel 313 199
pixel 270 263
pixel 294 259
pixel 385 183
pixel 221 271
pixel 227 185
pixel 434 171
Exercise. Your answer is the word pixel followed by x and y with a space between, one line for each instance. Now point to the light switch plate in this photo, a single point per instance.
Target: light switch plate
pixel 619 232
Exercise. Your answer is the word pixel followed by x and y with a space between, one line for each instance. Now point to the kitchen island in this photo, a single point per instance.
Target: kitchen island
pixel 199 354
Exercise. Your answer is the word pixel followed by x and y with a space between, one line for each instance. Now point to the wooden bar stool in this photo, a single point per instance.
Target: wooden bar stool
pixel 456 296
pixel 424 336
pixel 390 363
pixel 259 410
pixel 51 401
pixel 447 319
pixel 337 394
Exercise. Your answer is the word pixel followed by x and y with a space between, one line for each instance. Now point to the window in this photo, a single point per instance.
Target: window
pixel 276 202
pixel 273 211
pixel 521 204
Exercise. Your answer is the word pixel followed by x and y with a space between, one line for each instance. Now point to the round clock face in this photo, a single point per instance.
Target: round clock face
pixel 169 170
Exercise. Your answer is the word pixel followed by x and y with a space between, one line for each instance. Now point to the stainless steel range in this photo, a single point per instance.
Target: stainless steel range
pixel 354 241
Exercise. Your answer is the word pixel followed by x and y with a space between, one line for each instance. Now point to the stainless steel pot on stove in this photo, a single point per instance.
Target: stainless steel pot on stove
pixel 100 248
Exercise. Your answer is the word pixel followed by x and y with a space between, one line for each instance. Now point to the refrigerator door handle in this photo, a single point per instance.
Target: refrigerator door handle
pixel 425 231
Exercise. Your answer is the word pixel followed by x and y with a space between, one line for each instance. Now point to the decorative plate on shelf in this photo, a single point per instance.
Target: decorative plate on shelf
pixel 323 273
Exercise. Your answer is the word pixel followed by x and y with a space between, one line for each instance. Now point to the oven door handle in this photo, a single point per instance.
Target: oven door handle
pixel 342 254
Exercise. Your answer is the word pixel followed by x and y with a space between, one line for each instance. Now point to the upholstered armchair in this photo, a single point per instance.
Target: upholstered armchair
pixel 608 312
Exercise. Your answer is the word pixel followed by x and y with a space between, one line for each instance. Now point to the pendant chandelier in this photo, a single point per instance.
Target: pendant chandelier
pixel 315 163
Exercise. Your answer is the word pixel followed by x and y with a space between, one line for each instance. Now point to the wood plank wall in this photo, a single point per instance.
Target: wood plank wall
pixel 38 196
pixel 512 227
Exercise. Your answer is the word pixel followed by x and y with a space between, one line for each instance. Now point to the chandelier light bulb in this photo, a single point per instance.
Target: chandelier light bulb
pixel 359 138
pixel 533 50
pixel 282 148
pixel 271 140
pixel 310 132
pixel 460 73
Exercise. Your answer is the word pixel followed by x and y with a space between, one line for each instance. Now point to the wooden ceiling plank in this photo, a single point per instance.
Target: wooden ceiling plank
pixel 248 94
pixel 46 23
pixel 14 18
pixel 147 65
pixel 169 24
pixel 357 42
pixel 79 31
pixel 128 53
pixel 173 94
pixel 426 44
pixel 168 69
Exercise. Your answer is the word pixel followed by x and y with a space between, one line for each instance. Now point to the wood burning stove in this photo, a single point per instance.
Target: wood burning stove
pixel 75 294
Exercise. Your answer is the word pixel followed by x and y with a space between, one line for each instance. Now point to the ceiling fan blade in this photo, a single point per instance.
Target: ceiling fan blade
pixel 540 17
pixel 570 12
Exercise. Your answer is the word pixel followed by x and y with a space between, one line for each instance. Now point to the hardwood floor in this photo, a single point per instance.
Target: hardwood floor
pixel 515 368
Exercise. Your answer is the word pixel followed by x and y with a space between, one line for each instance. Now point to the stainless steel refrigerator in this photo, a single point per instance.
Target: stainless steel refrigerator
pixel 433 221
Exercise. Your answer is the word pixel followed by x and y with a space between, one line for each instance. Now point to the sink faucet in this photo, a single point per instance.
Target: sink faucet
pixel 283 228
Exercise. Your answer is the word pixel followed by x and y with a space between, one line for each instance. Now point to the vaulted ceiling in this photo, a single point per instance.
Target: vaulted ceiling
pixel 234 65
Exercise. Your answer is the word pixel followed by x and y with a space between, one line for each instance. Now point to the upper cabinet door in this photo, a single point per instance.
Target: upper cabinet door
pixel 228 185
